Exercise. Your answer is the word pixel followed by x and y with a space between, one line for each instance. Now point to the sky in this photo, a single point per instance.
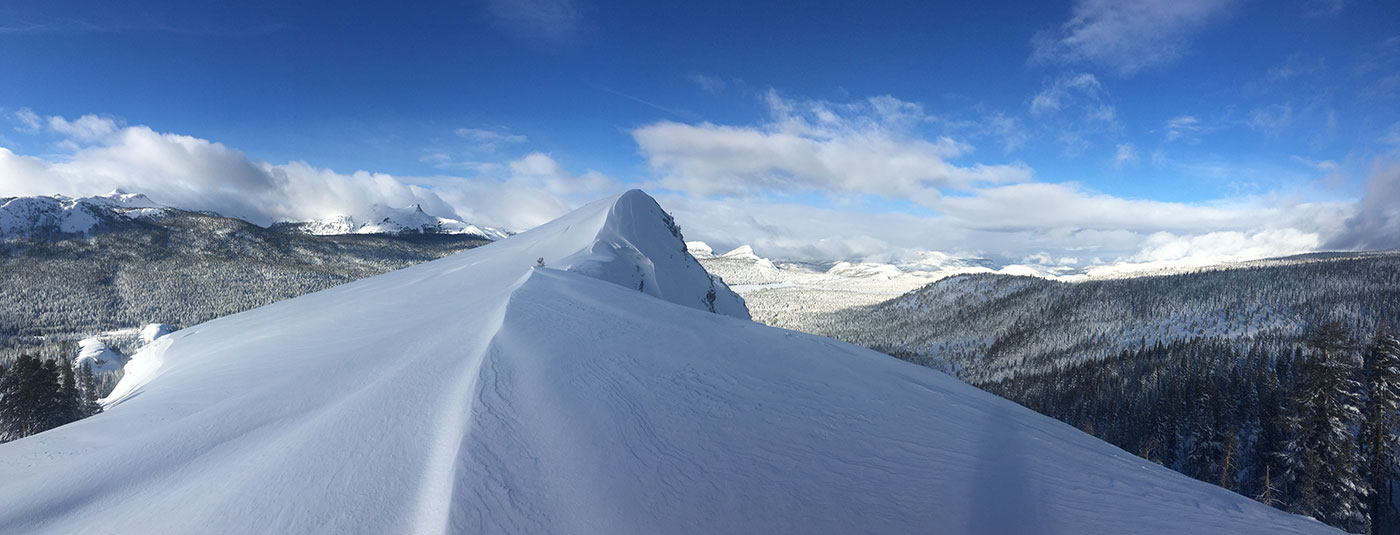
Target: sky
pixel 1058 134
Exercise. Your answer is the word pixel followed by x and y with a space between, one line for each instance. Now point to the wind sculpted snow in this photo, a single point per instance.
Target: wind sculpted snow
pixel 481 393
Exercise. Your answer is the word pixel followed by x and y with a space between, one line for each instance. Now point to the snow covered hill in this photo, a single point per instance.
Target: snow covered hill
pixel 482 393
pixel 393 221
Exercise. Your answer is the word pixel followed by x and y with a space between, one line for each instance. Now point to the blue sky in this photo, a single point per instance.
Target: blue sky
pixel 1081 132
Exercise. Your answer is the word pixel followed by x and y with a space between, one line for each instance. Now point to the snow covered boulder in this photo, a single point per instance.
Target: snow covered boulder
pixel 98 356
pixel 152 331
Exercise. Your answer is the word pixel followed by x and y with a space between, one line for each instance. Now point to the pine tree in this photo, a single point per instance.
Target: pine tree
pixel 1379 427
pixel 1322 453
pixel 69 395
pixel 88 382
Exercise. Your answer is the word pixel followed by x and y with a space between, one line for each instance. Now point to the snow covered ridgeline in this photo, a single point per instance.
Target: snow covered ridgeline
pixel 480 393
pixel 58 215
pixel 381 219
pixel 40 216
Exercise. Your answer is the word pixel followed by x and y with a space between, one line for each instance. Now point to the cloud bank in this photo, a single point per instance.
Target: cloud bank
pixel 816 180
pixel 99 155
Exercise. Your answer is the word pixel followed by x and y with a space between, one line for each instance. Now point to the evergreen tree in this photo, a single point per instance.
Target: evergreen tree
pixel 1379 427
pixel 88 383
pixel 1322 453
pixel 38 395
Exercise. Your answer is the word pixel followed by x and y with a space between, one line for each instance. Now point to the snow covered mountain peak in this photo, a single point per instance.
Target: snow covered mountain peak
pixel 383 219
pixel 485 393
pixel 630 241
pixel 61 215
pixel 699 249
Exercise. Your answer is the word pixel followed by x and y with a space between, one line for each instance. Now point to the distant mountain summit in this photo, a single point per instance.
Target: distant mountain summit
pixel 59 215
pixel 381 219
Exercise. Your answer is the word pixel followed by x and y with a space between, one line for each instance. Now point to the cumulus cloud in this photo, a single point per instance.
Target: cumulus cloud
pixel 863 147
pixel 85 128
pixel 1068 229
pixel 1127 35
pixel 532 190
pixel 1376 223
pixel 804 147
pixel 193 173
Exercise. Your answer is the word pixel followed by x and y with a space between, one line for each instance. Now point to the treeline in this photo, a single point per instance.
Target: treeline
pixel 1308 425
pixel 40 394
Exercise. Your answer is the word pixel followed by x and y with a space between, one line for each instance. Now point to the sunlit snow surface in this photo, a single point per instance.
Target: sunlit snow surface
pixel 482 394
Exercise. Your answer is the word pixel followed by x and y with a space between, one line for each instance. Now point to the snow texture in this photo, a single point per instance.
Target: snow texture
pixel 481 393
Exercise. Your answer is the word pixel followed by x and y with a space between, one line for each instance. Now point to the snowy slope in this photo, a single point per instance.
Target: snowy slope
pixel 482 394
pixel 383 219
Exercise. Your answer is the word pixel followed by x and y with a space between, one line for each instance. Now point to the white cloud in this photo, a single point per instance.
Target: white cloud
pixel 1013 134
pixel 1054 225
pixel 1127 35
pixel 1216 247
pixel 1125 155
pixel 28 120
pixel 531 190
pixel 1083 88
pixel 193 173
pixel 1041 205
pixel 869 146
pixel 85 128
pixel 1184 127
pixel 809 146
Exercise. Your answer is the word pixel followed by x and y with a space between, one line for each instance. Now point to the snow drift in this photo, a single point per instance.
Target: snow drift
pixel 481 393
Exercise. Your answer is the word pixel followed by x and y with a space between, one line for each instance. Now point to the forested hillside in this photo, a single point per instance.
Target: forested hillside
pixel 989 327
pixel 1274 379
pixel 183 268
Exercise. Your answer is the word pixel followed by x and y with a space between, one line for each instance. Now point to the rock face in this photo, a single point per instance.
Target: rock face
pixel 485 393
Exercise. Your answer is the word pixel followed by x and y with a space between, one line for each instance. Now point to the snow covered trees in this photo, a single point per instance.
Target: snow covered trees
pixel 1379 440
pixel 37 395
pixel 1322 456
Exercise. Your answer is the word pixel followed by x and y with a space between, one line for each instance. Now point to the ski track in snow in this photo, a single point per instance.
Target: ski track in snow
pixel 481 394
